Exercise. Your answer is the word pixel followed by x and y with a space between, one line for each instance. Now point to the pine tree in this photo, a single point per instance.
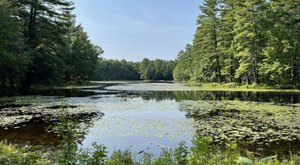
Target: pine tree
pixel 43 32
pixel 143 66
pixel 226 35
pixel 183 69
pixel 249 38
pixel 13 61
pixel 84 56
pixel 281 55
pixel 206 43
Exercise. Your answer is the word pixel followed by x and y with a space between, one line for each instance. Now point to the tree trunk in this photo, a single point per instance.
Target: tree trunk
pixel 232 70
pixel 295 66
pixel 27 81
pixel 11 83
pixel 218 69
pixel 255 71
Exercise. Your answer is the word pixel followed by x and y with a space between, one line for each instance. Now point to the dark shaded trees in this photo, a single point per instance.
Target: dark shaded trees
pixel 84 56
pixel 13 58
pixel 116 70
pixel 43 34
pixel 41 43
pixel 157 69
pixel 126 70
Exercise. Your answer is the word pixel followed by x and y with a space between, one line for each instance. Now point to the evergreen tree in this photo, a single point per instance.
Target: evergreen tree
pixel 43 32
pixel 281 54
pixel 206 43
pixel 84 56
pixel 245 41
pixel 183 69
pixel 226 35
pixel 249 38
pixel 13 60
pixel 143 66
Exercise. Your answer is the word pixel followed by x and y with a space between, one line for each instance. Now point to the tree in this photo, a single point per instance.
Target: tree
pixel 41 43
pixel 249 38
pixel 13 60
pixel 245 41
pixel 226 38
pixel 84 56
pixel 143 66
pixel 183 69
pixel 281 54
pixel 43 33
pixel 206 43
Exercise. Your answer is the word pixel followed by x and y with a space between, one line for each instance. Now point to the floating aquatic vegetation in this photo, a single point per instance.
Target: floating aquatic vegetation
pixel 250 122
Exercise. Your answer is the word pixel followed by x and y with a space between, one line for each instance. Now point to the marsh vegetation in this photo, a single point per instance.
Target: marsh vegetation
pixel 137 121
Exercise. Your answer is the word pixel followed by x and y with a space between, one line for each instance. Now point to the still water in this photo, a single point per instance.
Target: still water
pixel 146 117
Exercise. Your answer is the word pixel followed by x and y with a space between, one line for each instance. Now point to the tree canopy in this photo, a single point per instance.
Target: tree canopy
pixel 125 70
pixel 244 41
pixel 41 43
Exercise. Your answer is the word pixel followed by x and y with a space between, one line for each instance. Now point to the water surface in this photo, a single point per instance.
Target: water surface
pixel 147 117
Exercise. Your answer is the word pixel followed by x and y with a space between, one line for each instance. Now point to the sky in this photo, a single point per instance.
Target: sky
pixel 137 29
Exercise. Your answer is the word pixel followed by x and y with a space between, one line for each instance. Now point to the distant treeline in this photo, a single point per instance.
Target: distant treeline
pixel 244 41
pixel 124 70
pixel 40 42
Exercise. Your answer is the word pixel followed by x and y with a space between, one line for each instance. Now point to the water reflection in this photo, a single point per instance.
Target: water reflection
pixel 42 132
pixel 275 97
pixel 147 120
pixel 34 133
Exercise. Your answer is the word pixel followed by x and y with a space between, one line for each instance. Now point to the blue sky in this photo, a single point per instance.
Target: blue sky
pixel 137 29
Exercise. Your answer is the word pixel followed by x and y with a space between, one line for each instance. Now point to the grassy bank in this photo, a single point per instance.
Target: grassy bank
pixel 244 87
pixel 202 152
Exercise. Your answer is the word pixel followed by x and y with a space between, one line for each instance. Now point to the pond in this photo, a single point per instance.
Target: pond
pixel 146 117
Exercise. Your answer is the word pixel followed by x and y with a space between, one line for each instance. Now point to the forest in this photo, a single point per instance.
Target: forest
pixel 248 41
pixel 41 43
pixel 253 42
pixel 124 70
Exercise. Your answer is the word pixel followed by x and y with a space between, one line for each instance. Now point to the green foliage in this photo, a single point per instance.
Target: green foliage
pixel 68 152
pixel 68 131
pixel 248 41
pixel 14 155
pixel 206 43
pixel 83 57
pixel 203 152
pixel 41 43
pixel 183 68
pixel 121 158
pixel 156 69
pixel 13 60
pixel 116 70
pixel 124 70
pixel 181 154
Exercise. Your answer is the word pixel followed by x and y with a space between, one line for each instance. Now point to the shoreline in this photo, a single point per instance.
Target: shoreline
pixel 232 87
